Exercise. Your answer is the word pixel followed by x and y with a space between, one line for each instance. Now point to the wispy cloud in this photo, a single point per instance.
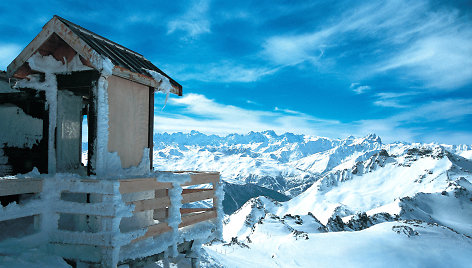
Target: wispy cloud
pixel 389 103
pixel 224 71
pixel 358 88
pixel 8 53
pixel 452 110
pixel 443 61
pixel 253 102
pixel 393 100
pixel 209 116
pixel 194 21
pixel 405 125
pixel 423 42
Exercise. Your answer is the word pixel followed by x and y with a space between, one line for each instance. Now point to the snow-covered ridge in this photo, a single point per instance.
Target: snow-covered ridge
pixel 288 163
pixel 408 205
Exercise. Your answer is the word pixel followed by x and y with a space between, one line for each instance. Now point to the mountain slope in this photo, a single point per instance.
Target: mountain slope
pixel 409 205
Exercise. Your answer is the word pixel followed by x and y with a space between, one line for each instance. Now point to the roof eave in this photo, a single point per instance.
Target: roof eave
pixel 142 79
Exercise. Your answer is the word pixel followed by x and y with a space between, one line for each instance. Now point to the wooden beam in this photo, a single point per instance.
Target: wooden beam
pixel 162 213
pixel 196 218
pixel 150 204
pixel 193 210
pixel 135 77
pixel 198 196
pixel 154 230
pixel 193 171
pixel 79 45
pixel 202 178
pixel 141 185
pixel 20 186
pixel 151 125
pixel 142 79
pixel 187 220
pixel 188 191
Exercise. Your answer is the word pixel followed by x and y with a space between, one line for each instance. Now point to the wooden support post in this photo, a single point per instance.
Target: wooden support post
pixel 151 124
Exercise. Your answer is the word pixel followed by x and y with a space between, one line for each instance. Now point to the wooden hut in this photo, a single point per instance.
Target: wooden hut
pixel 112 208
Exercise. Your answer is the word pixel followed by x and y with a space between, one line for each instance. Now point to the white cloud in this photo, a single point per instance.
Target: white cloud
pixel 295 49
pixel 358 88
pixel 8 53
pixel 224 72
pixel 389 103
pixel 452 110
pixel 253 102
pixel 391 99
pixel 409 125
pixel 442 61
pixel 194 21
pixel 208 116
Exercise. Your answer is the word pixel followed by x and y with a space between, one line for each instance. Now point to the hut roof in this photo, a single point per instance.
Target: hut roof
pixel 92 48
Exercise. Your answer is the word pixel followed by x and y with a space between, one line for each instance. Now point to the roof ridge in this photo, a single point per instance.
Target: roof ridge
pixel 86 31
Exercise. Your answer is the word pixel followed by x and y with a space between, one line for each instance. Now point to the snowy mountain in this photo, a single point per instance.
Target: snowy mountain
pixel 287 163
pixel 373 203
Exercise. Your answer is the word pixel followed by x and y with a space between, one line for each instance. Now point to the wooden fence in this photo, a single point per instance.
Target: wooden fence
pixel 83 211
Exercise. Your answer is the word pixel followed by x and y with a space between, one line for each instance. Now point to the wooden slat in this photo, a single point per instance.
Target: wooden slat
pixel 150 204
pixel 202 178
pixel 187 191
pixel 20 186
pixel 88 186
pixel 154 230
pixel 161 214
pixel 140 185
pixel 196 218
pixel 161 192
pixel 192 171
pixel 193 210
pixel 197 196
pixel 163 227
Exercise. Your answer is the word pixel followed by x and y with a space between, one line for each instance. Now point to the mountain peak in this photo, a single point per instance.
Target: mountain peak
pixel 373 137
pixel 270 133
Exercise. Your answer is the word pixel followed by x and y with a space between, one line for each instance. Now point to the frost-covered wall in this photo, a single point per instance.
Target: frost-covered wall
pixel 50 67
pixel 121 126
pixel 18 130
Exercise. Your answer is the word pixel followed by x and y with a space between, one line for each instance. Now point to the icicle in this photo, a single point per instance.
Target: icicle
pixel 164 85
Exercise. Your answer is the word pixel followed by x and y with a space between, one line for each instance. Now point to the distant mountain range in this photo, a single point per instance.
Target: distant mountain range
pixel 289 163
pixel 354 201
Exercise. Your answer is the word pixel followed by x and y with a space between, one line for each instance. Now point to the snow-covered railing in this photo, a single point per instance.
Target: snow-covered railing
pixel 102 220
pixel 10 189
pixel 162 201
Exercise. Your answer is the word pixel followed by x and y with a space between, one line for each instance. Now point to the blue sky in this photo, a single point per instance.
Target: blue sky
pixel 400 69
